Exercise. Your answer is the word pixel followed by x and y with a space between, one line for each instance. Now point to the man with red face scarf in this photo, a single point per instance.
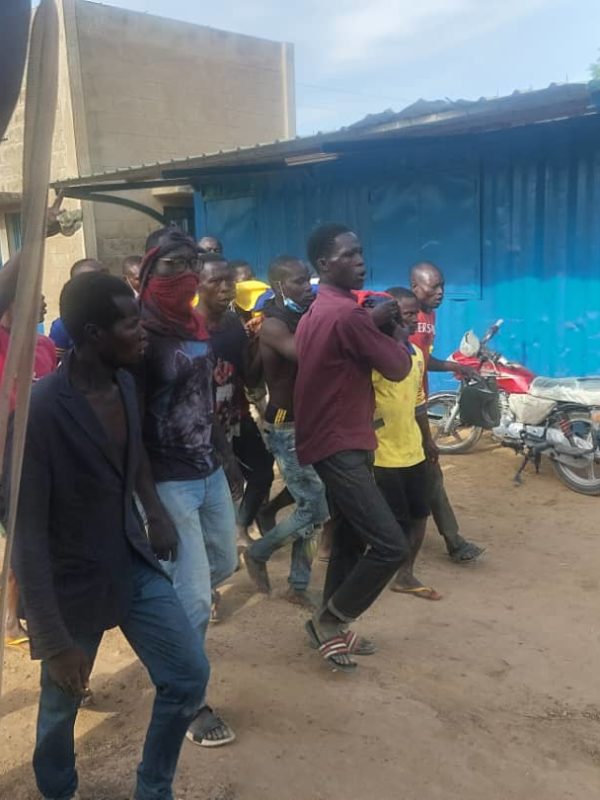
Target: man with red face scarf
pixel 176 386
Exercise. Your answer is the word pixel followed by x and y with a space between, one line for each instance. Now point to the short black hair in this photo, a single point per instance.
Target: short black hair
pixel 400 292
pixel 280 265
pixel 98 265
pixel 321 241
pixel 90 298
pixel 210 236
pixel 130 261
pixel 239 262
pixel 210 258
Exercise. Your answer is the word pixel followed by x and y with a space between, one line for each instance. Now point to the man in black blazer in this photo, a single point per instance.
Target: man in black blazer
pixel 83 561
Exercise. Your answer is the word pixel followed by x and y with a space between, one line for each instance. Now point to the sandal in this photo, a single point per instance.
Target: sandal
pixel 17 642
pixel 360 645
pixel 357 645
pixel 424 592
pixel 209 730
pixel 334 650
pixel 466 552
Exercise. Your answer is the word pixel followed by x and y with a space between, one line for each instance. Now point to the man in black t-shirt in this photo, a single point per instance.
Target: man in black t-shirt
pixel 236 364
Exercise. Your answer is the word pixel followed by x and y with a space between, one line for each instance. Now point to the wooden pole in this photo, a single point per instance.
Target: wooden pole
pixel 40 112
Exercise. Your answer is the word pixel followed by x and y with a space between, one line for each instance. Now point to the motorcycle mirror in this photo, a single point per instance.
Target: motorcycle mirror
pixel 470 344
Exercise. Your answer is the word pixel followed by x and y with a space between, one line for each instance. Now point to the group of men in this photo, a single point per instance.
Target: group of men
pixel 144 470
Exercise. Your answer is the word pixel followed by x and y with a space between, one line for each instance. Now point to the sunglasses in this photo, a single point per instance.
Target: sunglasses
pixel 181 264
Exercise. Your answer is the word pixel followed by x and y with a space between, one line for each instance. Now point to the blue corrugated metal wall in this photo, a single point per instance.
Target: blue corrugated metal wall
pixel 513 219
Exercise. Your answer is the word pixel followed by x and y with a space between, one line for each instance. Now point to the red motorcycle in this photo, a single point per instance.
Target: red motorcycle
pixel 559 417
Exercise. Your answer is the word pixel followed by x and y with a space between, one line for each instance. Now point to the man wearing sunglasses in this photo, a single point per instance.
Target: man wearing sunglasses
pixel 176 386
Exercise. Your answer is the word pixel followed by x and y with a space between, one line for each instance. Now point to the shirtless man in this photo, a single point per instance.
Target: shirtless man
pixel 290 281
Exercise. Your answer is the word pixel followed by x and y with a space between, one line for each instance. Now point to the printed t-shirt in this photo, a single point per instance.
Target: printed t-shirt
pixel 399 439
pixel 229 342
pixel 176 380
pixel 424 339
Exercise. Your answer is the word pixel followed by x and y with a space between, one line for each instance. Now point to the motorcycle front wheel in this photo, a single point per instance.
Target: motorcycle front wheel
pixel 449 433
pixel 584 479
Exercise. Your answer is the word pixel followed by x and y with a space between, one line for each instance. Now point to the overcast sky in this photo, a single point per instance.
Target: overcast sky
pixel 355 58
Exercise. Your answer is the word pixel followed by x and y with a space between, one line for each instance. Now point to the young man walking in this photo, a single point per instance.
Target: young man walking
pixel 290 281
pixel 82 558
pixel 237 365
pixel 339 344
pixel 176 385
pixel 405 450
pixel 427 282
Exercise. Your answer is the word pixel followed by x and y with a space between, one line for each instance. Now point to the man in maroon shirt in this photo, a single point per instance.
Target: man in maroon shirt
pixel 339 344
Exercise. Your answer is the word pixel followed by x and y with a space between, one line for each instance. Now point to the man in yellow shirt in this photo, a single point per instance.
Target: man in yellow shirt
pixel 405 450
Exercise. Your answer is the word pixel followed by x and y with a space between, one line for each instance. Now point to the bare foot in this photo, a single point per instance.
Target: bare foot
pixel 243 538
pixel 299 598
pixel 215 602
pixel 257 570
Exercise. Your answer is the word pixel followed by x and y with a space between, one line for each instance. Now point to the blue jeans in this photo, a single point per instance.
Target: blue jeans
pixel 160 633
pixel 204 515
pixel 311 510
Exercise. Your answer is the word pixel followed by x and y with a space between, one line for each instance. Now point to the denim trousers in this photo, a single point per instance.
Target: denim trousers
pixel 204 515
pixel 368 546
pixel 311 509
pixel 159 632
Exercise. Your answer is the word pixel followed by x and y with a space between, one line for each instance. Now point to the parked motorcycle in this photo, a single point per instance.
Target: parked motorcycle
pixel 559 418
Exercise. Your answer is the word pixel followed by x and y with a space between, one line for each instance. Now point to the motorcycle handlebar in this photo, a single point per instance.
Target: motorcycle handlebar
pixel 492 331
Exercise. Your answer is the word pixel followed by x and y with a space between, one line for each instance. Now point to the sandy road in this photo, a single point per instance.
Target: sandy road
pixel 491 694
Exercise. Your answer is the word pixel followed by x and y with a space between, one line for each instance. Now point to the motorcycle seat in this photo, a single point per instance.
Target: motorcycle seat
pixel 582 391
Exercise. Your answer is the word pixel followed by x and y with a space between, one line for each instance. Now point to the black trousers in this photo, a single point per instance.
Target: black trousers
pixel 368 544
pixel 443 514
pixel 256 464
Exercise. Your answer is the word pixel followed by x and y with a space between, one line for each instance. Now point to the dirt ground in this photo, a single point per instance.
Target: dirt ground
pixel 490 694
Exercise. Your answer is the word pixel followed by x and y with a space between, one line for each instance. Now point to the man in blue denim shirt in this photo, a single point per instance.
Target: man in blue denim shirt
pixel 290 281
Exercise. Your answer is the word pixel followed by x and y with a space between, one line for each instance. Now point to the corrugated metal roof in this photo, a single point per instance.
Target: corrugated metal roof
pixel 422 119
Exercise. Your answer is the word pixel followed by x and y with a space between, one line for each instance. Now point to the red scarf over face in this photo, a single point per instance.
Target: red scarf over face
pixel 170 299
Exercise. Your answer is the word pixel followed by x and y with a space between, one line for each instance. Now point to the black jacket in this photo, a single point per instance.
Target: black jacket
pixel 77 530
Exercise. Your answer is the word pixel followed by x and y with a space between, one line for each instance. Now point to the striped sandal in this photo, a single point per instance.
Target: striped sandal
pixel 334 650
pixel 359 645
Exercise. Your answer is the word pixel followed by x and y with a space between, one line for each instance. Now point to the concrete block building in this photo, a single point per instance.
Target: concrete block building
pixel 136 89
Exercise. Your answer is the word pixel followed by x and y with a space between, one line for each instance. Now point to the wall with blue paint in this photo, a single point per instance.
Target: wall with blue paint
pixel 513 219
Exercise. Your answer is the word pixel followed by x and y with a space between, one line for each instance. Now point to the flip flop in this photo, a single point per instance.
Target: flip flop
pixel 18 642
pixel 419 591
pixel 466 553
pixel 357 645
pixel 331 649
pixel 360 645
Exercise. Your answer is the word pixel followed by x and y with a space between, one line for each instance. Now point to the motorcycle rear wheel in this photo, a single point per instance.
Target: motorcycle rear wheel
pixel 587 479
pixel 460 438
